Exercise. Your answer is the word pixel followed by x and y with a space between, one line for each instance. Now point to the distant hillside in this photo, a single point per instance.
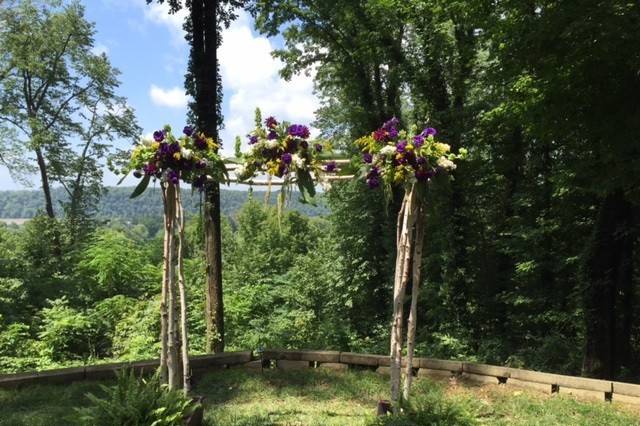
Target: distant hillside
pixel 117 204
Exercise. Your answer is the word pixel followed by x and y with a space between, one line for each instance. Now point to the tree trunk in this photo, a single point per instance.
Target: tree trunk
pixel 204 67
pixel 46 187
pixel 214 313
pixel 403 257
pixel 415 292
pixel 186 371
pixel 608 271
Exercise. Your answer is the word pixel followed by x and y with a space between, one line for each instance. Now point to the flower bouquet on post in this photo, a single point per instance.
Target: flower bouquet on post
pixel 392 157
pixel 192 158
pixel 284 151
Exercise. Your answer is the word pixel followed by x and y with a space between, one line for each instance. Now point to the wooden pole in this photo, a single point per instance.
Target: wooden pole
pixel 401 278
pixel 173 363
pixel 166 260
pixel 186 372
pixel 415 291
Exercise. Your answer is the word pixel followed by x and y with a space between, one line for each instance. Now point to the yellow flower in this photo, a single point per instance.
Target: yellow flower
pixel 211 144
pixel 399 156
pixel 176 156
pixel 155 146
pixel 442 147
pixel 409 147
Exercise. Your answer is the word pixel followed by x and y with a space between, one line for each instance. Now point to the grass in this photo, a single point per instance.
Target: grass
pixel 320 397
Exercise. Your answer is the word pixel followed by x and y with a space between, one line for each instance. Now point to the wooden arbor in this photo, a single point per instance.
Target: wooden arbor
pixel 409 242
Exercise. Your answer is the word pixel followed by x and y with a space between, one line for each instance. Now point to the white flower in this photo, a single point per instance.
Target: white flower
pixel 240 172
pixel 186 153
pixel 298 161
pixel 446 164
pixel 273 143
pixel 388 150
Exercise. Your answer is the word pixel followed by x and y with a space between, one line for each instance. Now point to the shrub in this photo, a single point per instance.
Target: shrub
pixel 135 401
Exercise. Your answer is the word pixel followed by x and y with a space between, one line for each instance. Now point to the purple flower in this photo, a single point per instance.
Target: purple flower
pixel 272 135
pixel 318 147
pixel 391 124
pixel 271 122
pixel 421 160
pixel 393 132
pixel 367 158
pixel 298 130
pixel 150 169
pixel 374 172
pixel 330 166
pixel 199 181
pixel 188 130
pixel 200 143
pixel 401 146
pixel 173 177
pixel 429 131
pixel 286 158
pixel 174 147
pixel 253 139
pixel 373 182
pixel 418 141
pixel 164 148
pixel 304 145
pixel 158 135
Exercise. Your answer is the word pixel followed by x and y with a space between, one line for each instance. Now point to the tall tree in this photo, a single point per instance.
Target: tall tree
pixel 53 88
pixel 203 26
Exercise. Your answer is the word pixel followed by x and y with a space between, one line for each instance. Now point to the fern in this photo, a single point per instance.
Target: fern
pixel 134 401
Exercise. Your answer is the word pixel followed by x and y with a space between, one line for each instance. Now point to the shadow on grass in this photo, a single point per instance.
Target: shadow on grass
pixel 45 405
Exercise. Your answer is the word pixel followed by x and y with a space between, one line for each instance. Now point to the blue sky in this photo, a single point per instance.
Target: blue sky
pixel 147 45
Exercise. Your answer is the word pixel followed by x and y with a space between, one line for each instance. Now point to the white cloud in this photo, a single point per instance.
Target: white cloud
pixel 250 79
pixel 172 98
pixel 159 14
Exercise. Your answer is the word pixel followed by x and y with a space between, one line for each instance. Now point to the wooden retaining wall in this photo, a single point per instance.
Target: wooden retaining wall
pixel 603 390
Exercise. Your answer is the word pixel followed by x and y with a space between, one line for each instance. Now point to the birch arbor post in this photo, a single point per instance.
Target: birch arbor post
pixel 192 158
pixel 411 160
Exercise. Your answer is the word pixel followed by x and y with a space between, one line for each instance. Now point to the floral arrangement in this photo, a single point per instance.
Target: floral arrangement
pixel 283 150
pixel 192 158
pixel 396 157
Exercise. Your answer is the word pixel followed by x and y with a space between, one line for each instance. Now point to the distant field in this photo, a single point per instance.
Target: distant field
pixel 18 221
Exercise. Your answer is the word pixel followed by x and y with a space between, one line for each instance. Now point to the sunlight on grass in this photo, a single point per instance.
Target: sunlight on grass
pixel 239 397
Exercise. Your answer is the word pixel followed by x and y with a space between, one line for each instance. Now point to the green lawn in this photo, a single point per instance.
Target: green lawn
pixel 318 397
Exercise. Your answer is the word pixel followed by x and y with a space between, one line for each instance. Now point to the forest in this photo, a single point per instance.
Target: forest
pixel 530 252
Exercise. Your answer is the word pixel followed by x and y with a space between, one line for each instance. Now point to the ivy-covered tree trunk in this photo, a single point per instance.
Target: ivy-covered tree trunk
pixel 204 87
pixel 608 271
